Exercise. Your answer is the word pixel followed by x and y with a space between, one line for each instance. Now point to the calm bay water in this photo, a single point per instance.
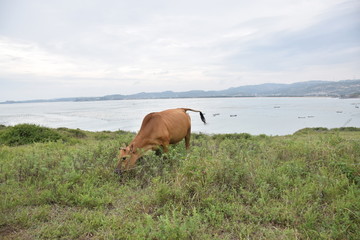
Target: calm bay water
pixel 271 116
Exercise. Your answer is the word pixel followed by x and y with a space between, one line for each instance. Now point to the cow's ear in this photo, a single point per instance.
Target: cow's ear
pixel 131 148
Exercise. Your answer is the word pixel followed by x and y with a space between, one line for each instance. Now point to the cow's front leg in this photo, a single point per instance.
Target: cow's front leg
pixel 165 148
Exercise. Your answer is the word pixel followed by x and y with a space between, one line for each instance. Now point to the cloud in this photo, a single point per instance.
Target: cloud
pixel 127 47
pixel 24 58
pixel 333 39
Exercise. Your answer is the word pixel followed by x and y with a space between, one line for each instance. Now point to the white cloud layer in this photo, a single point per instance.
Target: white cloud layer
pixel 76 48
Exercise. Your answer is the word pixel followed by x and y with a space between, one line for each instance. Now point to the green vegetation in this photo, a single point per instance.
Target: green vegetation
pixel 231 186
pixel 27 133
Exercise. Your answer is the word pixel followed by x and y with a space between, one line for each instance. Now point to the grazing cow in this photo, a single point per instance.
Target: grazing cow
pixel 158 129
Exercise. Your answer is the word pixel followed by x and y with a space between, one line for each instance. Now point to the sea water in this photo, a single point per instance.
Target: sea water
pixel 271 116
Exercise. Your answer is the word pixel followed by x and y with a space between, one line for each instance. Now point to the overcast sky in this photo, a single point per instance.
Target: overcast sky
pixel 70 48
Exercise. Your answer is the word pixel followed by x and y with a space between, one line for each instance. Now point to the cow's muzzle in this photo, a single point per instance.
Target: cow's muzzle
pixel 118 172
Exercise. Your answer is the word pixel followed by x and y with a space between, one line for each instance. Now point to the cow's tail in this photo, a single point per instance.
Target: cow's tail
pixel 201 114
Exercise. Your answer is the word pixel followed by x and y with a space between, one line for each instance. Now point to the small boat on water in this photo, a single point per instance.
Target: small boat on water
pixel 339 111
pixel 234 115
pixel 216 114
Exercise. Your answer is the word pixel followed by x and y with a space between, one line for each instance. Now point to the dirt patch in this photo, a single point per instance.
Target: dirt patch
pixel 13 232
pixel 8 230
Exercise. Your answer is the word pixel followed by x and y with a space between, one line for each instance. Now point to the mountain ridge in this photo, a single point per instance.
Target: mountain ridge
pixel 341 89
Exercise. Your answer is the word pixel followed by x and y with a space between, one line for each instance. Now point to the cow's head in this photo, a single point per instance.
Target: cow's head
pixel 127 158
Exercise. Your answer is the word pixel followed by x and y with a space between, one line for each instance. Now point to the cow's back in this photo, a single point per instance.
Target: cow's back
pixel 171 125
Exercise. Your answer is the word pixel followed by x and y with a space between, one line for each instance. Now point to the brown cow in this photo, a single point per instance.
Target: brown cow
pixel 158 129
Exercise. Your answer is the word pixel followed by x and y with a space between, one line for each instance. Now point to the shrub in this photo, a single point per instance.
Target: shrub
pixel 233 136
pixel 348 129
pixel 311 130
pixel 75 133
pixel 28 133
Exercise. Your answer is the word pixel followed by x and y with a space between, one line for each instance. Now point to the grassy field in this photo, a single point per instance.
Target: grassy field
pixel 59 184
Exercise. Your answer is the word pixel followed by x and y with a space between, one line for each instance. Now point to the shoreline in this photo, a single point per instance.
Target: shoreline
pixel 127 99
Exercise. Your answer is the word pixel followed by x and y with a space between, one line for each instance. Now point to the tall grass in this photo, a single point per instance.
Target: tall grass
pixel 235 186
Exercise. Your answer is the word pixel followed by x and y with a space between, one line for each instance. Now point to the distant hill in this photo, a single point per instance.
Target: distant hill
pixel 341 89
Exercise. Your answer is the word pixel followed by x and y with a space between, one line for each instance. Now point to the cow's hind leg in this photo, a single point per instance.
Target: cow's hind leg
pixel 187 139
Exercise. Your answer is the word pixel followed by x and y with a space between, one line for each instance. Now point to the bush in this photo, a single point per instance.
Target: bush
pixel 348 129
pixel 233 136
pixel 75 133
pixel 311 130
pixel 26 134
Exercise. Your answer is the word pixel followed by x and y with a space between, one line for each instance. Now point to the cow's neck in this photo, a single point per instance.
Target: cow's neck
pixel 141 143
pixel 138 142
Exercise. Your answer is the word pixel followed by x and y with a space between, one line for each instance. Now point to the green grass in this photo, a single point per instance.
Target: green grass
pixel 230 186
